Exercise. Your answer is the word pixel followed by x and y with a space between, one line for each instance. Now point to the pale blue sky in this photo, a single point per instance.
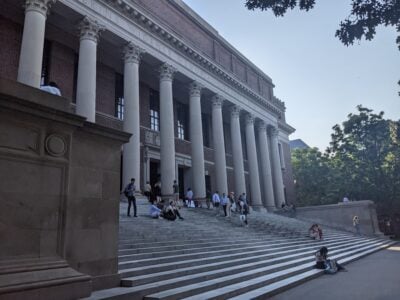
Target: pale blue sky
pixel 320 79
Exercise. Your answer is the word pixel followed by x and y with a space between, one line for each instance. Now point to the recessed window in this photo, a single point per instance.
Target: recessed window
pixel 154 111
pixel 119 96
pixel 181 119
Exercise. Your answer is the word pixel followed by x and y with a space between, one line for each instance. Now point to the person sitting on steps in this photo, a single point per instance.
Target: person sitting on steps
pixel 322 262
pixel 315 232
pixel 171 212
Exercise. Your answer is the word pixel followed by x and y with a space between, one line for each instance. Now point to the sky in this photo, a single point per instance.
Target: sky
pixel 320 80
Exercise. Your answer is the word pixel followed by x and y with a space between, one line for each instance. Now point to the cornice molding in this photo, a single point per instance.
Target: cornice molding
pixel 274 105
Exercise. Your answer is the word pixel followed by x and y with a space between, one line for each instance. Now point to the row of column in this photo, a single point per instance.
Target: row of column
pixel 29 72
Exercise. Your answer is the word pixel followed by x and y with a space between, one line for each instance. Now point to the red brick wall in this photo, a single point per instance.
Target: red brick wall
pixel 105 89
pixel 61 68
pixel 10 45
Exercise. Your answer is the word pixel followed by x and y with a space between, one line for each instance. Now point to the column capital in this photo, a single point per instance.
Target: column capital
pixel 250 119
pixel 217 101
pixel 274 131
pixel 235 111
pixel 40 6
pixel 90 29
pixel 132 53
pixel 195 89
pixel 167 72
pixel 262 126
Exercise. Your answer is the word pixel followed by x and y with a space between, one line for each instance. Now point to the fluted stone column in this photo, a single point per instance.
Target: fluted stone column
pixel 266 172
pixel 31 56
pixel 219 145
pixel 86 85
pixel 237 151
pixel 131 163
pixel 196 137
pixel 167 136
pixel 276 169
pixel 253 164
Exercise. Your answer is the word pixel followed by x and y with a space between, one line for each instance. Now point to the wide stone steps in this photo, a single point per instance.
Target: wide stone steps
pixel 212 257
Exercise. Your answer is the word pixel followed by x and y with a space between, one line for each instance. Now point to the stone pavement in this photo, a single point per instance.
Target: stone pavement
pixel 375 277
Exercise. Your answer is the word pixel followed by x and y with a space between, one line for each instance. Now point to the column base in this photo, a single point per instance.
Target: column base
pixel 259 208
pixel 271 209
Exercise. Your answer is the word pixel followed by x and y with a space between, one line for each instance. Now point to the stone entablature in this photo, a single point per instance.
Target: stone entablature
pixel 254 91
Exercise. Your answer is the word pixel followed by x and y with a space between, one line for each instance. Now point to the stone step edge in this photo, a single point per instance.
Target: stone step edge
pixel 191 289
pixel 153 262
pixel 285 284
pixel 273 263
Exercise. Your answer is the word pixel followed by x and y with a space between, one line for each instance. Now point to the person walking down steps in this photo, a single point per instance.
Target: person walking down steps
pixel 129 192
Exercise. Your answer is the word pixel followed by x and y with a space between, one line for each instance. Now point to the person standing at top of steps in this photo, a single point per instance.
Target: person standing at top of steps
pixel 175 188
pixel 356 224
pixel 147 191
pixel 224 203
pixel 216 200
pixel 244 210
pixel 322 262
pixel 129 192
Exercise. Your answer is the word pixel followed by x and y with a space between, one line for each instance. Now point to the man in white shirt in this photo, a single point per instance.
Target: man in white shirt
pixel 51 88
pixel 189 197
pixel 216 200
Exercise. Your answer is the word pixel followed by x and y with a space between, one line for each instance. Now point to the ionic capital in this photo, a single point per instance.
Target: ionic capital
pixel 250 119
pixel 90 29
pixel 40 6
pixel 235 111
pixel 167 72
pixel 132 53
pixel 195 89
pixel 217 101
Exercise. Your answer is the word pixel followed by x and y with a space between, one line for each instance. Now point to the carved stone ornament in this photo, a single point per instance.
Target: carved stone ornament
pixel 235 111
pixel 55 145
pixel 195 89
pixel 132 53
pixel 167 72
pixel 273 131
pixel 262 126
pixel 90 29
pixel 250 120
pixel 217 101
pixel 40 6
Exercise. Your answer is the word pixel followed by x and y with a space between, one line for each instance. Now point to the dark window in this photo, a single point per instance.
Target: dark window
pixel 44 79
pixel 205 121
pixel 154 110
pixel 244 145
pixel 181 119
pixel 119 96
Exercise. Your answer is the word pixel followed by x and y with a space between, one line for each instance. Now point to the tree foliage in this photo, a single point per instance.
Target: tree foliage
pixel 364 18
pixel 362 162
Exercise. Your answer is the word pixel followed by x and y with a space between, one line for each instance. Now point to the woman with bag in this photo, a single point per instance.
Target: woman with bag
pixel 330 266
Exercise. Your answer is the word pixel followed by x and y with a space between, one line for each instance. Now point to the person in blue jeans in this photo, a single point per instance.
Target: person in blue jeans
pixel 129 192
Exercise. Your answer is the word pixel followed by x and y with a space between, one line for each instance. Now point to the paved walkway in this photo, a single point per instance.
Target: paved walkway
pixel 375 277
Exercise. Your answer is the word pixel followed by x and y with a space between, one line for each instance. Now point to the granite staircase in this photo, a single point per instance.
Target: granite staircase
pixel 208 256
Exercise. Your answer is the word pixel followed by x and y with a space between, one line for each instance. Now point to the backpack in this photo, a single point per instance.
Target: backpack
pixel 330 266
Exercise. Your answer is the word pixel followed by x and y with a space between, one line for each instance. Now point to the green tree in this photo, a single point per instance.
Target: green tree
pixel 364 18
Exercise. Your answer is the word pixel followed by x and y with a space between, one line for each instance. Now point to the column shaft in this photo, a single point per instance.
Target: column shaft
pixel 167 136
pixel 131 158
pixel 276 169
pixel 196 136
pixel 237 152
pixel 219 145
pixel 86 85
pixel 266 168
pixel 253 164
pixel 31 56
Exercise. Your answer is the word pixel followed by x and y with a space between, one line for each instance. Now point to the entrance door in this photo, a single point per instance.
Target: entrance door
pixel 154 172
pixel 181 181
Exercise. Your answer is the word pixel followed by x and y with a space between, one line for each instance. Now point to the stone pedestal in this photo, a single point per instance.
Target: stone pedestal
pixel 59 191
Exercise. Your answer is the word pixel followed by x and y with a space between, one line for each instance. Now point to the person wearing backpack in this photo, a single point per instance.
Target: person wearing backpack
pixel 330 266
pixel 129 192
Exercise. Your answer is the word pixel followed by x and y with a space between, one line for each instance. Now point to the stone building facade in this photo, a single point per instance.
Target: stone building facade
pixel 198 110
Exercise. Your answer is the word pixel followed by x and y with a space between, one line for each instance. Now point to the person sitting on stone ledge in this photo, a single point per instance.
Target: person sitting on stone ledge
pixel 315 232
pixel 51 88
pixel 171 212
pixel 155 212
pixel 322 262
